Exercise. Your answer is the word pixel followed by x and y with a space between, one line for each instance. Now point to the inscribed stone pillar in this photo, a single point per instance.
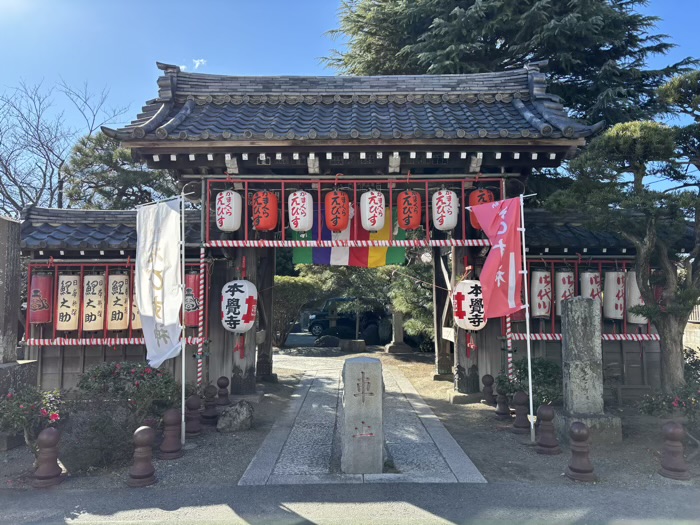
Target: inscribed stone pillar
pixel 397 345
pixel 362 431
pixel 10 277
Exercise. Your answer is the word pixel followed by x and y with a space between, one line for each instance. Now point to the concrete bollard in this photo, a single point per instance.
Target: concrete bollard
pixel 192 425
pixel 209 414
pixel 142 472
pixel 502 408
pixel 171 447
pixel 580 467
pixel 547 436
pixel 223 399
pixel 489 398
pixel 47 473
pixel 521 423
pixel 673 464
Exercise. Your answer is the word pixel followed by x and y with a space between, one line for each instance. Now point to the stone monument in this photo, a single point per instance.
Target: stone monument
pixel 582 369
pixel 397 346
pixel 361 423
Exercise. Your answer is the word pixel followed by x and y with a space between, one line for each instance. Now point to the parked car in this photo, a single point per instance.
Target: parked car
pixel 319 320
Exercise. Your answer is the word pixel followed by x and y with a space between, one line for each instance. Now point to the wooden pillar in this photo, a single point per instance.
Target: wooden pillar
pixel 221 341
pixel 243 372
pixel 10 277
pixel 462 363
pixel 266 281
pixel 443 360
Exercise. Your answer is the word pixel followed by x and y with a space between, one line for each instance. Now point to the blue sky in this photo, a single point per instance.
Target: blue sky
pixel 116 43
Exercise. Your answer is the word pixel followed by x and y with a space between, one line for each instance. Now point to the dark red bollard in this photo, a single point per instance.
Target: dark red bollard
pixel 171 447
pixel 209 414
pixel 192 425
pixel 580 467
pixel 47 473
pixel 502 408
pixel 673 464
pixel 142 473
pixel 223 399
pixel 547 437
pixel 521 423
pixel 489 398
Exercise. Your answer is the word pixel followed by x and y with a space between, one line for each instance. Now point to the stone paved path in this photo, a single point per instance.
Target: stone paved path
pixel 303 447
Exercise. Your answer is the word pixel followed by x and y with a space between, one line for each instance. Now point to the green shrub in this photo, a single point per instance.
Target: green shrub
pixel 29 410
pixel 290 296
pixel 547 385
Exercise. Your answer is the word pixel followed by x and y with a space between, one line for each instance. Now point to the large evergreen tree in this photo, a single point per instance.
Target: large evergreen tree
pixel 597 49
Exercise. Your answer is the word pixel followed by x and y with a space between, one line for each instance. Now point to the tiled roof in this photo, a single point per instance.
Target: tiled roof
pixel 508 104
pixel 51 229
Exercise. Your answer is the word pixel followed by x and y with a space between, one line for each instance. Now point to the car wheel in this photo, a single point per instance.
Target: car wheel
pixel 316 330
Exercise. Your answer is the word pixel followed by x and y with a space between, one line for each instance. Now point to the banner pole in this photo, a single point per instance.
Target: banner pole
pixel 183 336
pixel 527 317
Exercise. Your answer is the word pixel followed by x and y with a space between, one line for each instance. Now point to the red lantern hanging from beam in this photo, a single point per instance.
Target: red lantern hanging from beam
pixel 337 211
pixel 264 205
pixel 409 208
pixel 40 295
pixel 477 197
pixel 193 300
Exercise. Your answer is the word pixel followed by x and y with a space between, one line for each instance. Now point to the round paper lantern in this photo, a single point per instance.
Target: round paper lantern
pixel 445 210
pixel 541 294
pixel 477 197
pixel 563 288
pixel 68 309
pixel 264 205
pixel 301 211
pixel 193 300
pixel 468 305
pixel 118 302
pixel 239 300
pixel 229 208
pixel 40 296
pixel 591 285
pixel 372 210
pixel 409 208
pixel 93 302
pixel 135 315
pixel 614 295
pixel 633 297
pixel 337 211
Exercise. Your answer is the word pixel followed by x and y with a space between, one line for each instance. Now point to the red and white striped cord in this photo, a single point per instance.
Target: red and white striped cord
pixel 509 346
pixel 604 337
pixel 96 341
pixel 347 243
pixel 200 331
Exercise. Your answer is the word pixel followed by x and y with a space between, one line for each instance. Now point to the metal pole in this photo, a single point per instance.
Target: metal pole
pixel 183 336
pixel 527 317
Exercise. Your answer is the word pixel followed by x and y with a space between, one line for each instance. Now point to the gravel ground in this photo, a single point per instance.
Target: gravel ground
pixel 500 455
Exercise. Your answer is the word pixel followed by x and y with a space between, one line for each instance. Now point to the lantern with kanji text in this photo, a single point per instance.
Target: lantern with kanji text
pixel 68 305
pixel 477 197
pixel 564 288
pixel 445 210
pixel 591 285
pixel 40 298
pixel 337 211
pixel 239 301
pixel 118 302
pixel 301 211
pixel 468 305
pixel 264 208
pixel 229 208
pixel 409 209
pixel 633 297
pixel 93 302
pixel 541 294
pixel 372 210
pixel 193 299
pixel 614 295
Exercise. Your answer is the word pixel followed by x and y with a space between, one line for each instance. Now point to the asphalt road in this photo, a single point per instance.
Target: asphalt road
pixel 491 503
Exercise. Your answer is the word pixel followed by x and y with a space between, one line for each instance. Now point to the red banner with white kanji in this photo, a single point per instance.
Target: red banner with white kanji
pixel 501 276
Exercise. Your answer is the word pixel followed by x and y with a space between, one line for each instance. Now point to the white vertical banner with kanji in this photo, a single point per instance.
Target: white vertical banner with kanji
pixel 501 276
pixel 158 279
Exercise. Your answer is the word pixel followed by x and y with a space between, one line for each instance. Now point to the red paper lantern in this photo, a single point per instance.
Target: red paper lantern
pixel 337 211
pixel 477 197
pixel 409 208
pixel 264 204
pixel 40 295
pixel 193 300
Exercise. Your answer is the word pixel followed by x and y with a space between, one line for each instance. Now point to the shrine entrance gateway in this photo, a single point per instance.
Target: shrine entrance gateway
pixel 466 134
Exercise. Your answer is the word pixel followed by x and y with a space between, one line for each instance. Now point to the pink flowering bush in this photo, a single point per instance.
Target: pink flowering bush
pixel 30 411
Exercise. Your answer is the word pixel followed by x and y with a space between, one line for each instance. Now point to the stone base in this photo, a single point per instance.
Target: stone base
pixel 353 345
pixel 10 441
pixel 458 398
pixel 397 347
pixel 267 378
pixel 444 377
pixel 251 398
pixel 603 428
pixel 16 375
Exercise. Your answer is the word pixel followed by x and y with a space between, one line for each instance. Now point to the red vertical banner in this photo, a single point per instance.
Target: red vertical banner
pixel 501 276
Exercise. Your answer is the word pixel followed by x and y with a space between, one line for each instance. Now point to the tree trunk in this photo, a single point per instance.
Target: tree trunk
pixel 670 330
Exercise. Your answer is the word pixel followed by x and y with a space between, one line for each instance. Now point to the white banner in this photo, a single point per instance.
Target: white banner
pixel 158 279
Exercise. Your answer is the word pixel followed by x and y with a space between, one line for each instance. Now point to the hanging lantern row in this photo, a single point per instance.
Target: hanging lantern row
pixel 99 305
pixel 616 292
pixel 264 210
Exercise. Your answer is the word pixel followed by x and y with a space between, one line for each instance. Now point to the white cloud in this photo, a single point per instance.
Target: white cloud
pixel 183 68
pixel 199 62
